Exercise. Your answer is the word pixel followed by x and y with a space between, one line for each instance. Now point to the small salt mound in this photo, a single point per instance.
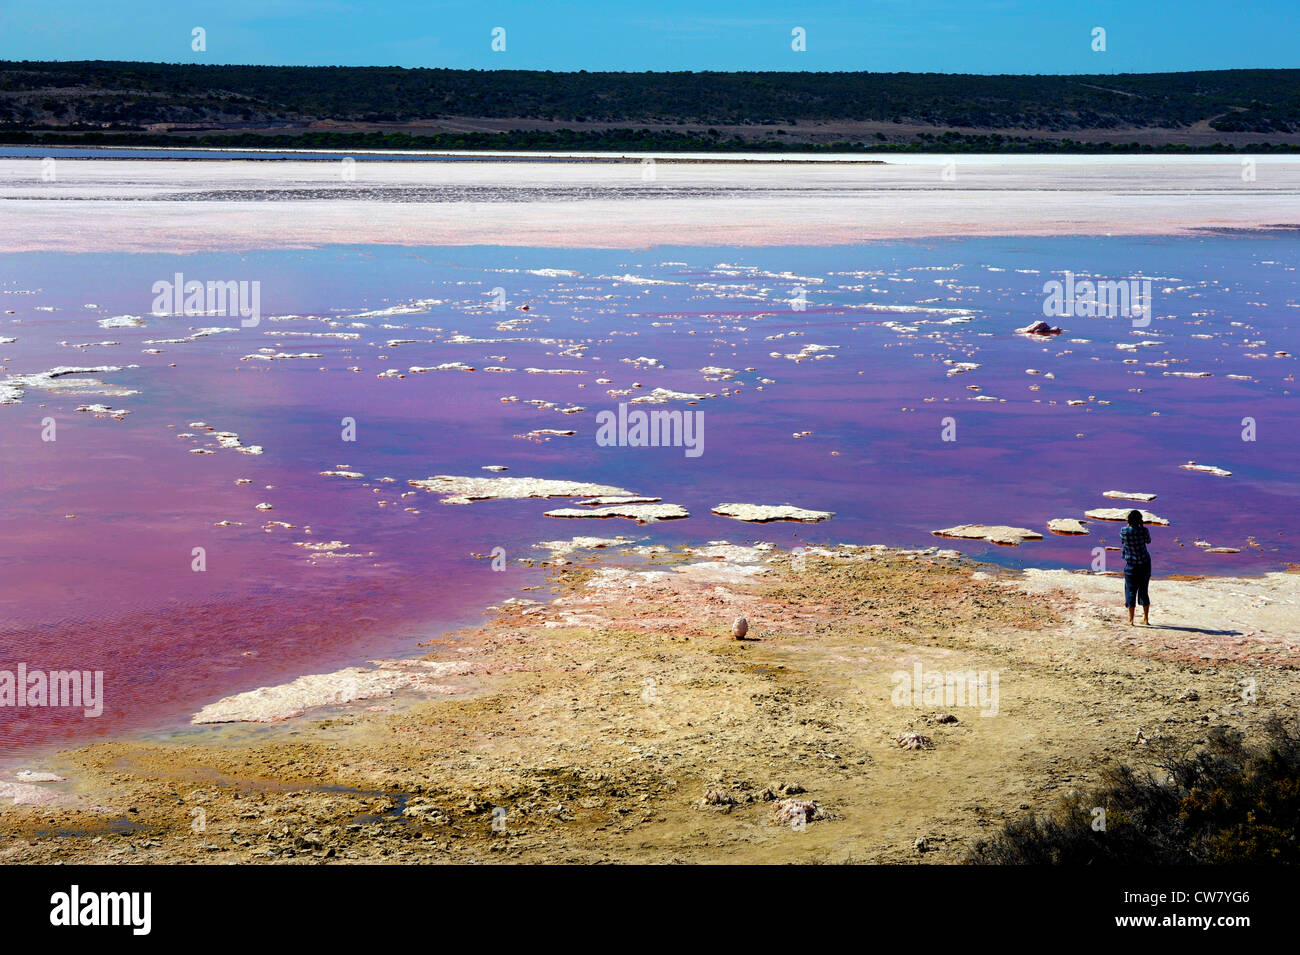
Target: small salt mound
pixel 660 396
pixel 762 513
pixel 122 321
pixel 1066 525
pixel 993 533
pixel 104 410
pixel 1129 495
pixel 611 500
pixel 1205 469
pixel 1121 514
pixel 465 490
pixel 446 366
pixel 641 513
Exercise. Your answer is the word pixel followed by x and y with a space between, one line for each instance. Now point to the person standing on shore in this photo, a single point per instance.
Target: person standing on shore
pixel 1137 566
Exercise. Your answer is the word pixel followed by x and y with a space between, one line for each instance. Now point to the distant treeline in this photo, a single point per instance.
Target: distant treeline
pixel 612 140
pixel 124 95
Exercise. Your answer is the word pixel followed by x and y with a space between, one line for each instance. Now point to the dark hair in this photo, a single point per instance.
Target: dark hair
pixel 1135 518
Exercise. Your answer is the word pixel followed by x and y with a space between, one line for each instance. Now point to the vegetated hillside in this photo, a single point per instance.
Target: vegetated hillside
pixel 166 98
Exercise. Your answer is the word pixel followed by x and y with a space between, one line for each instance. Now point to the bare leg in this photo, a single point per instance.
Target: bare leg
pixel 1146 615
pixel 1130 615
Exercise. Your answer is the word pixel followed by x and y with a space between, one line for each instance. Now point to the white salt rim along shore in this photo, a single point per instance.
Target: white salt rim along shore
pixel 25 794
pixel 561 549
pixel 269 704
pixel 1261 608
pixel 38 776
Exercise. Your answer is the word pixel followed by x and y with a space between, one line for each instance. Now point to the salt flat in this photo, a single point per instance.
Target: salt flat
pixel 192 206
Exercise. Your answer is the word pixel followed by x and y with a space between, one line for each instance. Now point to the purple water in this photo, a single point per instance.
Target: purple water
pixel 113 587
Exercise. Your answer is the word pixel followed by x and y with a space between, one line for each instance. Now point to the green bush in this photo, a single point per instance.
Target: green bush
pixel 1228 801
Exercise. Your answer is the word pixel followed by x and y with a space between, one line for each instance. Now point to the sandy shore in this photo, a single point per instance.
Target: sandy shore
pixel 168 206
pixel 617 719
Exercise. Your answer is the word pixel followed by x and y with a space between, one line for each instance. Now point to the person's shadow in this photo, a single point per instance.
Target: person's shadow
pixel 1212 633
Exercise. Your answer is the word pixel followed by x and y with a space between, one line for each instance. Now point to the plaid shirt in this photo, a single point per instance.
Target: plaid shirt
pixel 1134 542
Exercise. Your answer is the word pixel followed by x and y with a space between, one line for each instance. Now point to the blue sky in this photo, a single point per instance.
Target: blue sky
pixel 996 36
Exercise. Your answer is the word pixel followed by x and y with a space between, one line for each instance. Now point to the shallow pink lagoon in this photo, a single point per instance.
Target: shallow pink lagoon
pixel 99 526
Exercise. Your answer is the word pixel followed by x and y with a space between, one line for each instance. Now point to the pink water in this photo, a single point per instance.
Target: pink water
pixel 112 588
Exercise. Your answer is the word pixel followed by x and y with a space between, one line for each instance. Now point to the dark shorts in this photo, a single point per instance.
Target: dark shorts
pixel 1135 585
